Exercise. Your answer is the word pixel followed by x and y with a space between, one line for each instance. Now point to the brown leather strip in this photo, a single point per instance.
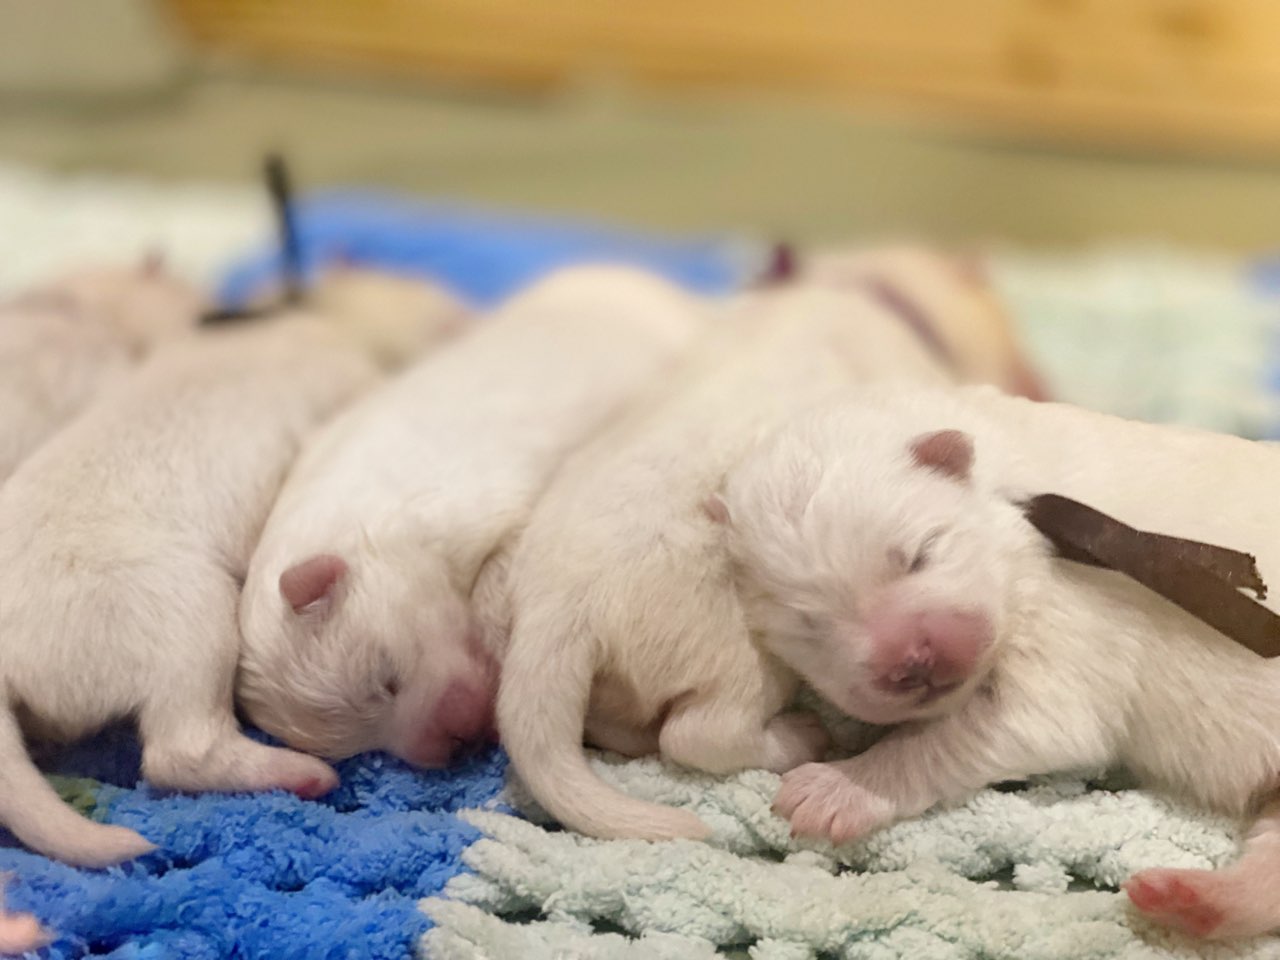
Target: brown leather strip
pixel 1201 578
pixel 1106 536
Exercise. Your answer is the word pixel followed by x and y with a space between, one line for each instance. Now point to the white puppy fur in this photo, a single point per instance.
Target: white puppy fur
pixel 625 621
pixel 883 530
pixel 948 299
pixel 62 343
pixel 123 542
pixel 401 317
pixel 357 625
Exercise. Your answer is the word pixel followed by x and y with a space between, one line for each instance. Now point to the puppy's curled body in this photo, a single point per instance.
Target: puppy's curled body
pixel 123 541
pixel 1085 669
pixel 359 632
pixel 400 316
pixel 622 617
pixel 948 299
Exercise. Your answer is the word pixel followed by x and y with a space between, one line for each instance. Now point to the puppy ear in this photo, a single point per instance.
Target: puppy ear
pixel 949 452
pixel 308 586
pixel 715 508
pixel 153 265
pixel 971 267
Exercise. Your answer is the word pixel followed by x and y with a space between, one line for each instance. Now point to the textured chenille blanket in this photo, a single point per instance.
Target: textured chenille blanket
pixel 459 865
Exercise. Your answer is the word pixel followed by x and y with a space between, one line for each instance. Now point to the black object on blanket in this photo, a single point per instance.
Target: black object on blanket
pixel 280 189
pixel 1202 579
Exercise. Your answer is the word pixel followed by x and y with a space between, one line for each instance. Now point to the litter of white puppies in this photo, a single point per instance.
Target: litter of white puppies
pixel 617 513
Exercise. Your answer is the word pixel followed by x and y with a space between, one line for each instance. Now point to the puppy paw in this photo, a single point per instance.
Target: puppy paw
pixel 1187 900
pixel 21 933
pixel 305 776
pixel 820 801
pixel 236 764
pixel 793 739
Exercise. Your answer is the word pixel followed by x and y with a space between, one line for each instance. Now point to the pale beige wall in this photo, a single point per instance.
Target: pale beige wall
pixel 84 47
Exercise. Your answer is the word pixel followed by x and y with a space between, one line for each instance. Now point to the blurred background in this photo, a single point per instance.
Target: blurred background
pixel 1118 160
pixel 1044 122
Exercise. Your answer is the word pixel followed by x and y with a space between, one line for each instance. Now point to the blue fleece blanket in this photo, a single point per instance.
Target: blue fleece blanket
pixel 256 875
pixel 483 255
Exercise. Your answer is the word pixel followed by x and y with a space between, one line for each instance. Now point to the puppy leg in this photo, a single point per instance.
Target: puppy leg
pixel 918 766
pixel 189 750
pixel 190 737
pixel 719 735
pixel 32 810
pixel 621 737
pixel 1242 900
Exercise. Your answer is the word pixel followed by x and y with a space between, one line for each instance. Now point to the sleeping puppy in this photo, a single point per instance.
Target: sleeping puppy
pixel 123 543
pixel 63 343
pixel 946 299
pixel 358 630
pixel 400 316
pixel 621 617
pixel 881 554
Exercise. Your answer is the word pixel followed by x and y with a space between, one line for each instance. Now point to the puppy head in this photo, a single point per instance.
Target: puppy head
pixel 397 317
pixel 145 302
pixel 378 652
pixel 871 559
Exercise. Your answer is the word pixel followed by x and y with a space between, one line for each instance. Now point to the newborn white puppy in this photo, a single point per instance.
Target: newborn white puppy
pixel 358 630
pixel 123 541
pixel 62 343
pixel 881 554
pixel 400 316
pixel 625 620
pixel 946 299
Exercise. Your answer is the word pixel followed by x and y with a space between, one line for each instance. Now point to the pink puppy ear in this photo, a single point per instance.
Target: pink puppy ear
pixel 310 583
pixel 153 264
pixel 947 451
pixel 716 509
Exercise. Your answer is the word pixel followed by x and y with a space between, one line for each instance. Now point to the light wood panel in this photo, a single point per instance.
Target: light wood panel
pixel 1198 74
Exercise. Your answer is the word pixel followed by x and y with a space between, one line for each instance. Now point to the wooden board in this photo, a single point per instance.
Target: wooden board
pixel 1196 74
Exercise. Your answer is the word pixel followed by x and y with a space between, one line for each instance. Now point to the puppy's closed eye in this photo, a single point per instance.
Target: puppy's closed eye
pixel 925 551
pixel 810 627
pixel 388 679
pixel 916 560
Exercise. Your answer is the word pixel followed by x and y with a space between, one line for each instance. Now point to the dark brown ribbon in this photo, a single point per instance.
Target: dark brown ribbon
pixel 1202 579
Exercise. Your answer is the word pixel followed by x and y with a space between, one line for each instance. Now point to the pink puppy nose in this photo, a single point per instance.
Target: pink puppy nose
pixel 464 711
pixel 960 637
pixel 936 648
pixel 915 671
pixel 461 717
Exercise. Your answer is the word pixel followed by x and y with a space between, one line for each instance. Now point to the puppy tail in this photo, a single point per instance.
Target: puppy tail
pixel 32 810
pixel 542 706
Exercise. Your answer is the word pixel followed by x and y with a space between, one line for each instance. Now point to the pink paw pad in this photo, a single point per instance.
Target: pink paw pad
pixel 1176 898
pixel 313 786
